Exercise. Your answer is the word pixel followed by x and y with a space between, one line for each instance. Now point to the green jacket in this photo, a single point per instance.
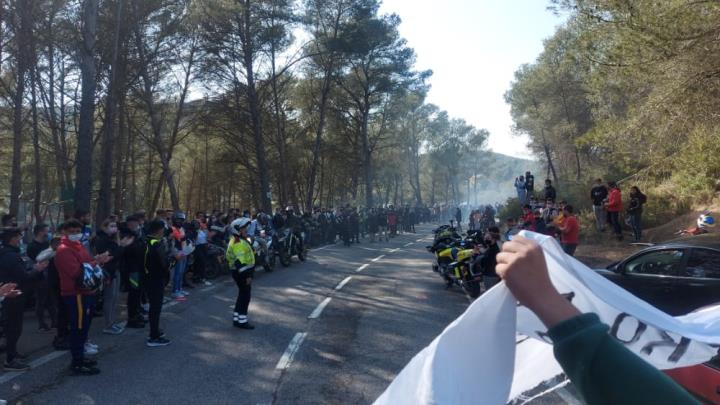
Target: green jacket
pixel 240 254
pixel 606 372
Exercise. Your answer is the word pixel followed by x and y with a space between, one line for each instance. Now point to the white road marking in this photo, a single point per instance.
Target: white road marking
pixel 318 310
pixel 394 250
pixel 321 248
pixel 33 364
pixel 171 304
pixel 377 258
pixel 206 289
pixel 361 268
pixel 419 240
pixel 408 244
pixel 342 283
pixel 292 348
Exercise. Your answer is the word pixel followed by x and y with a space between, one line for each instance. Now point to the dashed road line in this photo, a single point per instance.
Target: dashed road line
pixel 292 348
pixel 318 310
pixel 361 268
pixel 408 244
pixel 342 283
pixel 377 258
pixel 394 250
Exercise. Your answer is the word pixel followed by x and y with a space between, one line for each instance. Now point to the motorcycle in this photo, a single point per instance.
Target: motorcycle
pixel 287 246
pixel 262 255
pixel 455 259
pixel 216 264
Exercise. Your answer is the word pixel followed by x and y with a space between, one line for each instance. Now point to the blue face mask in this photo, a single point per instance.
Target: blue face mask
pixel 49 236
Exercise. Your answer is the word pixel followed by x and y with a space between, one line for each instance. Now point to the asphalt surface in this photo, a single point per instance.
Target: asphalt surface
pixel 335 329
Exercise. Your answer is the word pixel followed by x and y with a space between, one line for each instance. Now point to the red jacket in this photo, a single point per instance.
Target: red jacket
pixel 529 218
pixel 614 200
pixel 571 232
pixel 69 258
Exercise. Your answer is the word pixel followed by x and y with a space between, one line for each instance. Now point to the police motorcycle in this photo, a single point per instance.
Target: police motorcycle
pixel 457 259
pixel 287 246
pixel 217 263
pixel 264 257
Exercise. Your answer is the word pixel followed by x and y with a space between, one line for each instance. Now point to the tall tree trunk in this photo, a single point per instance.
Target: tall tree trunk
pixel 284 175
pixel 88 70
pixel 22 38
pixel 255 111
pixel 367 155
pixel 123 157
pixel 104 201
pixel 38 175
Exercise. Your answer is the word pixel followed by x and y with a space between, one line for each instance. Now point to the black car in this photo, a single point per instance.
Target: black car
pixel 677 277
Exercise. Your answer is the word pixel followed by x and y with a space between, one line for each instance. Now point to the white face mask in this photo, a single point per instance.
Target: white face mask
pixel 76 237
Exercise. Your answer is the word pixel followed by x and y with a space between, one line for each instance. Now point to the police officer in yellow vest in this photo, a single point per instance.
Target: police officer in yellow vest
pixel 241 258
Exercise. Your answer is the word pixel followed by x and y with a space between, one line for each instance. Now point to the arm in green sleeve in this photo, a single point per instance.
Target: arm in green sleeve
pixel 605 372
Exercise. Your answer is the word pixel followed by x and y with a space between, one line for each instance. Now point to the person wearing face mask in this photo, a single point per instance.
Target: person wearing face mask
pixel 44 298
pixel 70 257
pixel 14 270
pixel 108 240
pixel 133 265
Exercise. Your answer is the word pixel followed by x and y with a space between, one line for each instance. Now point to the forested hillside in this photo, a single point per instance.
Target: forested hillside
pixel 628 90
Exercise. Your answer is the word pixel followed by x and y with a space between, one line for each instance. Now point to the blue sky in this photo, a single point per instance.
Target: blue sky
pixel 473 48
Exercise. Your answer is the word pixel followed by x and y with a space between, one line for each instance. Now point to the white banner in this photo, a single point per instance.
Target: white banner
pixel 474 358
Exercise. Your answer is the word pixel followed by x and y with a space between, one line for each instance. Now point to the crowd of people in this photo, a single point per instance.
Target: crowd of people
pixel 543 214
pixel 154 260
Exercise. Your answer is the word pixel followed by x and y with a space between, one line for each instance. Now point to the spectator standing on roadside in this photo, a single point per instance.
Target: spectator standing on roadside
pixel 107 240
pixel 569 231
pixel 512 229
pixel 528 218
pixel 614 208
pixel 133 271
pixel 634 211
pixel 598 194
pixel 44 300
pixel 156 273
pixel 14 270
pixel 520 189
pixel 529 185
pixel 79 303
pixel 549 191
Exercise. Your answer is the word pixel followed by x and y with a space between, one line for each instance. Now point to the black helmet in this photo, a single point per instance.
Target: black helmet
pixel 179 216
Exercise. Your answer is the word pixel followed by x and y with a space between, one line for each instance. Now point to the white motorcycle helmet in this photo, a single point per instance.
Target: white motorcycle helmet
pixel 706 221
pixel 239 224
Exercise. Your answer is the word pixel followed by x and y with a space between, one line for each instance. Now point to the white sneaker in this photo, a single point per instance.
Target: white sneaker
pixel 93 345
pixel 207 283
pixel 90 351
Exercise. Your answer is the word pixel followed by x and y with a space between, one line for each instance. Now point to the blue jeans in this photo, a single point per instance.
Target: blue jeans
pixel 179 274
pixel 636 225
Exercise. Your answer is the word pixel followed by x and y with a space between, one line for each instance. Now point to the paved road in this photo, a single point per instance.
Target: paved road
pixel 335 329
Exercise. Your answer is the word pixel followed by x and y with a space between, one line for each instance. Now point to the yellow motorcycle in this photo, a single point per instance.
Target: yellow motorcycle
pixel 455 261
